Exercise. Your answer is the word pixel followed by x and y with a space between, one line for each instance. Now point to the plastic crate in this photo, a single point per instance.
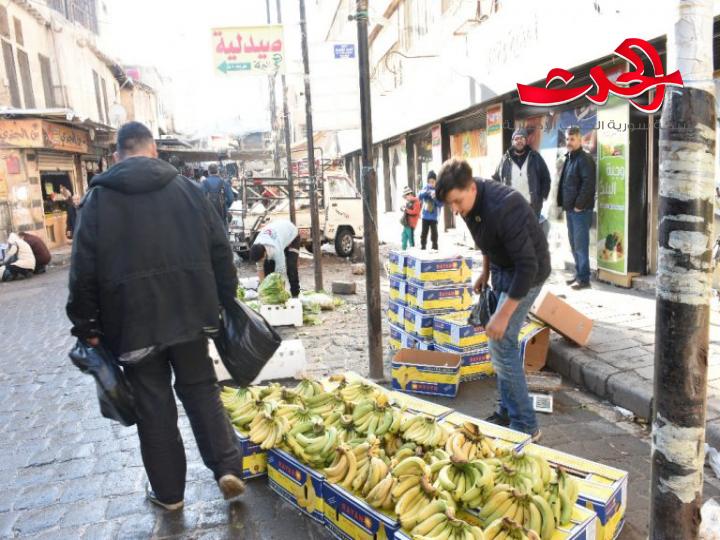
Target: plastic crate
pixel 289 361
pixel 289 314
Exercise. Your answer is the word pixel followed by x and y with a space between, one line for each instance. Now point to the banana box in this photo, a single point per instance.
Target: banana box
pixel 398 290
pixel 297 483
pixel 582 526
pixel 426 372
pixel 419 323
pixel 603 489
pixel 452 329
pixel 475 362
pixel 499 433
pixel 254 459
pixel 417 405
pixel 348 517
pixel 396 262
pixel 426 268
pixel 438 299
pixel 402 535
pixel 400 339
pixel 396 313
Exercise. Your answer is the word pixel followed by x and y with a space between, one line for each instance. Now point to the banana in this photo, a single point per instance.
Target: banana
pixel 339 467
pixel 429 523
pixel 494 502
pixel 548 519
pixel 412 465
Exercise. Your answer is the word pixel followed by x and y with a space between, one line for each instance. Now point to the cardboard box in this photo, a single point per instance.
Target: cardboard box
pixel 348 517
pixel 254 459
pixel 475 362
pixel 398 290
pixel 417 405
pixel 419 323
pixel 603 489
pixel 297 483
pixel 400 339
pixel 396 313
pixel 438 299
pixel 453 329
pixel 426 372
pixel 432 268
pixel 396 262
pixel 562 317
pixel 499 433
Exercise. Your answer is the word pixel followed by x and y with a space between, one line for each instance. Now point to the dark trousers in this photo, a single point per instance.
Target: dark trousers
pixel 578 225
pixel 430 225
pixel 12 272
pixel 292 254
pixel 161 445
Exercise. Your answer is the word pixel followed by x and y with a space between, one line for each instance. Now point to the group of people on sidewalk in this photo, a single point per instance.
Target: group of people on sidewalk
pixel 24 255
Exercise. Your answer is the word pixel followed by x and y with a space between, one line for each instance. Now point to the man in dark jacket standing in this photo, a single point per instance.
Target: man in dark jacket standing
pixel 505 228
pixel 219 192
pixel 524 170
pixel 576 195
pixel 150 266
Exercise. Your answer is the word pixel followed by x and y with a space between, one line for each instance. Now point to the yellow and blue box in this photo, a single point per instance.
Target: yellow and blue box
pixel 438 299
pixel 348 517
pixel 582 526
pixel 603 489
pixel 503 436
pixel 297 483
pixel 396 262
pixel 419 323
pixel 400 339
pixel 254 458
pixel 426 372
pixel 398 290
pixel 396 313
pixel 475 362
pixel 452 329
pixel 426 268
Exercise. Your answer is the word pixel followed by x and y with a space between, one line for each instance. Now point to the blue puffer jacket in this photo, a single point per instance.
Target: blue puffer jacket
pixel 430 205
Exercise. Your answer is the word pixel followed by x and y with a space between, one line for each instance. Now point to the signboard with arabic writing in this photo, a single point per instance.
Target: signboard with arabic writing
pixel 249 50
pixel 33 133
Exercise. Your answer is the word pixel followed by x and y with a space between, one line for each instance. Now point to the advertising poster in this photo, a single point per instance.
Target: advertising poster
pixel 249 50
pixel 612 188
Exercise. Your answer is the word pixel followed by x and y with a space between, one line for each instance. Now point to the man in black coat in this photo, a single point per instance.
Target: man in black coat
pixel 505 228
pixel 150 266
pixel 576 195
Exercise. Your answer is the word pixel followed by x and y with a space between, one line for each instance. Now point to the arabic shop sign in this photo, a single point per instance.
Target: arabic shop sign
pixel 34 133
pixel 249 50
pixel 628 85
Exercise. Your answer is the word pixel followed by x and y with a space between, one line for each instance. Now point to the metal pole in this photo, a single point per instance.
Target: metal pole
pixel 273 112
pixel 684 278
pixel 314 217
pixel 286 122
pixel 369 192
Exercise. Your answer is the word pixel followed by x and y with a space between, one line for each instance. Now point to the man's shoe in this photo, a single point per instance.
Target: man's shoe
pixel 535 437
pixel 580 285
pixel 498 419
pixel 570 281
pixel 150 495
pixel 231 486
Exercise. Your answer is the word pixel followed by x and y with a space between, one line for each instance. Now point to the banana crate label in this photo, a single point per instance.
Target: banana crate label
pixel 396 262
pixel 296 483
pixel 254 458
pixel 396 312
pixel 350 518
pixel 398 290
pixel 419 323
pixel 438 299
pixel 437 270
pixel 430 380
pixel 476 372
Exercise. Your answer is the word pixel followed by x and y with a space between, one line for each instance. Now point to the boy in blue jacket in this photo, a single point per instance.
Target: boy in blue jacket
pixel 430 212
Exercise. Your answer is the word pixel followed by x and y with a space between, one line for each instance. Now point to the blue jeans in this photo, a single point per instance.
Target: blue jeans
pixel 578 224
pixel 508 364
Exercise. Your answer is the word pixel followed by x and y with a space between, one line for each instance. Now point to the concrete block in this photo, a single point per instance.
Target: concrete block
pixel 632 392
pixel 613 345
pixel 358 269
pixel 595 375
pixel 344 287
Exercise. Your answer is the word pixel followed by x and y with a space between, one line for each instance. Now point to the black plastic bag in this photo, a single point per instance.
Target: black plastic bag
pixel 245 342
pixel 114 393
pixel 484 309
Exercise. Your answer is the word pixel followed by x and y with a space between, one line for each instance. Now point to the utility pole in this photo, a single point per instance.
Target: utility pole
pixel 314 217
pixel 369 192
pixel 685 238
pixel 273 111
pixel 286 122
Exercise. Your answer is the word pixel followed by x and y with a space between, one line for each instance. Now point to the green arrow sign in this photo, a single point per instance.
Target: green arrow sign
pixel 235 66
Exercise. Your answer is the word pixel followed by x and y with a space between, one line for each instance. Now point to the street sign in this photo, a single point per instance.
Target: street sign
pixel 344 50
pixel 249 50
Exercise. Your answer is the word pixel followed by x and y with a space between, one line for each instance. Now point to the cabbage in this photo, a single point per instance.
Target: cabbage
pixel 272 290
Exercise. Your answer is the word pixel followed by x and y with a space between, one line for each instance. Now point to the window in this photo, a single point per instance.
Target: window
pixel 11 74
pixel 47 81
pixel 96 82
pixel 24 64
pixel 105 100
pixel 4 24
pixel 18 31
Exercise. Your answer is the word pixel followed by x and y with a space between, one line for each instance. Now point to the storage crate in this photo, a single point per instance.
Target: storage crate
pixel 288 314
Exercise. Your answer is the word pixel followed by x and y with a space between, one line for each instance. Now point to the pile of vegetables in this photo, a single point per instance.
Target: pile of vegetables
pixel 272 290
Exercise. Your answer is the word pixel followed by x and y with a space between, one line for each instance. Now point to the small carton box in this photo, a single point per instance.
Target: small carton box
pixel 475 362
pixel 297 483
pixel 453 329
pixel 418 405
pixel 396 313
pixel 396 262
pixel 603 489
pixel 254 458
pixel 400 339
pixel 432 268
pixel 438 299
pixel 348 517
pixel 426 372
pixel 562 317
pixel 501 434
pixel 419 323
pixel 398 290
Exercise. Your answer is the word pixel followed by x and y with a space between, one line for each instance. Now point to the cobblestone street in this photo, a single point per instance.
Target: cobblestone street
pixel 68 473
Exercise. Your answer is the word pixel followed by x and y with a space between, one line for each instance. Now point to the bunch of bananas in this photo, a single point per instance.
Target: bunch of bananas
pixel 294 414
pixel 308 388
pixel 357 391
pixel 466 482
pixel 505 474
pixel 534 467
pixel 312 443
pixel 392 443
pixel 506 528
pixel 562 494
pixel 232 398
pixel 272 392
pixel 268 430
pixel 423 430
pixel 245 413
pixel 381 495
pixel 343 468
pixel 376 416
pixel 372 469
pixel 468 443
pixel 325 403
pixel 412 494
pixel 531 511
pixel 437 522
pixel 291 397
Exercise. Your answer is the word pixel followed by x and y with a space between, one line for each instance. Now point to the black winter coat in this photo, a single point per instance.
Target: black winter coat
pixel 506 229
pixel 577 182
pixel 150 259
pixel 538 177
